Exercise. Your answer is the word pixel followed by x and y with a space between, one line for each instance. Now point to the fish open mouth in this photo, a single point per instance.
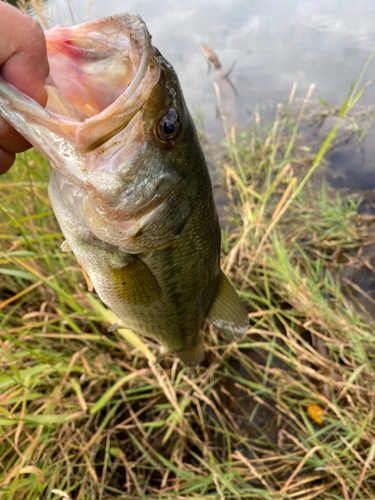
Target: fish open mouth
pixel 87 72
pixel 99 79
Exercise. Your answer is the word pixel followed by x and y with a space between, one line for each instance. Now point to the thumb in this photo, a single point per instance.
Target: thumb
pixel 23 53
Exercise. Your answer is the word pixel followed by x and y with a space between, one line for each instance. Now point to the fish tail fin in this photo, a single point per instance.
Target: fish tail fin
pixel 227 313
pixel 193 356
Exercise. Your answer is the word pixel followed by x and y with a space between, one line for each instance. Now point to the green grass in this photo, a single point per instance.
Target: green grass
pixel 285 413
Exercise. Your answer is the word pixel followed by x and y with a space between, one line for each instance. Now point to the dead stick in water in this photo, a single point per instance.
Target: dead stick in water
pixel 213 61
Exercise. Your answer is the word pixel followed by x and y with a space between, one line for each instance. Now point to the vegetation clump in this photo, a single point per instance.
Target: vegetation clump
pixel 287 412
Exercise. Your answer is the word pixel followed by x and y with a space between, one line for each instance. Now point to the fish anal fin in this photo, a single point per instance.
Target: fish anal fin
pixel 193 356
pixel 227 313
pixel 135 282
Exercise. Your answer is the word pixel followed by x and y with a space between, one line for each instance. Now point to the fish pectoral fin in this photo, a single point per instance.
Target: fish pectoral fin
pixel 227 313
pixel 135 283
pixel 193 356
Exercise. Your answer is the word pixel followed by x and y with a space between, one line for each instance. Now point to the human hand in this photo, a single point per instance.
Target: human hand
pixel 23 63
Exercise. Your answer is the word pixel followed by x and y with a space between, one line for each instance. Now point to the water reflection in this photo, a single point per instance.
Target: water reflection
pixel 274 43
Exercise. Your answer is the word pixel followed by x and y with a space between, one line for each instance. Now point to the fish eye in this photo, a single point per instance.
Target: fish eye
pixel 169 127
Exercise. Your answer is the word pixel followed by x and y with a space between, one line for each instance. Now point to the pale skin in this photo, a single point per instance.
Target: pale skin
pixel 23 63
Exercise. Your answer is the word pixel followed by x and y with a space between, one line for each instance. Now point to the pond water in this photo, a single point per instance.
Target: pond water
pixel 274 43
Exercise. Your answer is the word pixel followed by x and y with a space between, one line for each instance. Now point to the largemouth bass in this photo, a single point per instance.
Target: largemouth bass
pixel 129 182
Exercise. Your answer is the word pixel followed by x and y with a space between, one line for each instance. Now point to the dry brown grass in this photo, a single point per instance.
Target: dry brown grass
pixel 286 413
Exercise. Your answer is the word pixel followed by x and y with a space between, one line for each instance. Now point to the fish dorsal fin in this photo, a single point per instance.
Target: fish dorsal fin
pixel 227 313
pixel 135 283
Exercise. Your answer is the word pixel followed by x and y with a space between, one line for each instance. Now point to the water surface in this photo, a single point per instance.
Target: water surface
pixel 274 43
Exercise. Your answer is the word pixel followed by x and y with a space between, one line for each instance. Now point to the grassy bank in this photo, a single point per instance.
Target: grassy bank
pixel 285 413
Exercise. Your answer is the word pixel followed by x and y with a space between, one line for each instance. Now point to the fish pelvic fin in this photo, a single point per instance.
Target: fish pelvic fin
pixel 193 356
pixel 90 286
pixel 65 247
pixel 227 313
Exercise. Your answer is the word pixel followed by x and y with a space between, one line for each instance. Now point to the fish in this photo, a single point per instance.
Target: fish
pixel 129 183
